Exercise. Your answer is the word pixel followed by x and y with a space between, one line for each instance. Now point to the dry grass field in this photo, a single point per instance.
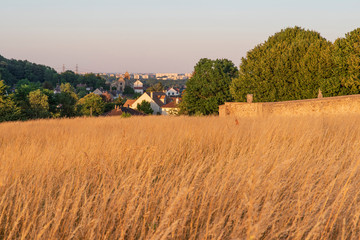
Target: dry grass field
pixel 181 178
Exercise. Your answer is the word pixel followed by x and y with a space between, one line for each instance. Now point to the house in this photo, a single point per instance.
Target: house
pixel 156 100
pixel 57 90
pixel 171 108
pixel 138 87
pixel 98 92
pixel 118 111
pixel 172 92
pixel 129 103
pixel 119 85
pixel 107 97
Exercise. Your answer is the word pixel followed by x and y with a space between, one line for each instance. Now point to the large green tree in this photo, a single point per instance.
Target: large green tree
pixel 290 65
pixel 345 77
pixel 91 105
pixel 39 104
pixel 66 100
pixel 209 86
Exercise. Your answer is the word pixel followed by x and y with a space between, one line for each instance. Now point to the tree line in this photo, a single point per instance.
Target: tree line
pixel 292 64
pixel 13 71
pixel 32 101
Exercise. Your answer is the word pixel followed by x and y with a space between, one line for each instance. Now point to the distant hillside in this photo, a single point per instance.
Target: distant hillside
pixel 12 71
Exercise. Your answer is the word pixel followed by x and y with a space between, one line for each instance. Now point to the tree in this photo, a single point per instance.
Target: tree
pixel 8 109
pixel 346 71
pixel 21 97
pixel 145 107
pixel 290 65
pixel 39 104
pixel 209 86
pixel 128 90
pixel 158 87
pixel 91 105
pixel 66 100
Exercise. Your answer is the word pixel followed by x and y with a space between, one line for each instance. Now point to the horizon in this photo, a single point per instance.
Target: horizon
pixel 159 36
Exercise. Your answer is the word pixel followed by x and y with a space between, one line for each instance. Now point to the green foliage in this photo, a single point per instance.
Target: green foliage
pixel 125 115
pixel 158 87
pixel 209 86
pixel 345 78
pixel 14 70
pixel 290 65
pixel 8 109
pixel 109 106
pixel 66 100
pixel 47 85
pixel 21 97
pixel 39 104
pixel 145 107
pixel 91 105
pixel 128 90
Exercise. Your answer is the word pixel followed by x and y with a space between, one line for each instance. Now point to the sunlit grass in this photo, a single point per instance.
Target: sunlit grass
pixel 180 178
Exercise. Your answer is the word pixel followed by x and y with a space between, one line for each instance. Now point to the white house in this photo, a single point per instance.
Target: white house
pixel 172 92
pixel 171 108
pixel 156 100
pixel 138 87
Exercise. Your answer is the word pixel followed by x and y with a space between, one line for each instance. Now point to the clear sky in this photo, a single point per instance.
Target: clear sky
pixel 157 35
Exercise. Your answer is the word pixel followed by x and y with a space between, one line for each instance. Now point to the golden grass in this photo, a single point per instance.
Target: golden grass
pixel 181 178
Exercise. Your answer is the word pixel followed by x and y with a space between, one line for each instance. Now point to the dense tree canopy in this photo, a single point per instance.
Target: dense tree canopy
pixel 345 77
pixel 290 65
pixel 39 104
pixel 209 86
pixel 91 105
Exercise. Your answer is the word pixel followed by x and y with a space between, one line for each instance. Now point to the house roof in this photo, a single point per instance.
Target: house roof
pixel 121 110
pixel 129 102
pixel 171 104
pixel 156 97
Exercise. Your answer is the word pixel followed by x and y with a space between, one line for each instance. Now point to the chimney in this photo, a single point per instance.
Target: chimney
pixel 249 98
pixel 151 95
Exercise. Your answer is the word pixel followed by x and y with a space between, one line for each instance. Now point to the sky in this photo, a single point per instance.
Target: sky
pixel 149 36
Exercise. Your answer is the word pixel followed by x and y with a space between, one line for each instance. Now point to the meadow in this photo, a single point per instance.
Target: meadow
pixel 181 178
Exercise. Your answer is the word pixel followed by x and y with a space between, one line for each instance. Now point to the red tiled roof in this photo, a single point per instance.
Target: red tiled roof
pixel 170 105
pixel 129 102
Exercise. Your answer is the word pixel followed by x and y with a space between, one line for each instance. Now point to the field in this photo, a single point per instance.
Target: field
pixel 181 178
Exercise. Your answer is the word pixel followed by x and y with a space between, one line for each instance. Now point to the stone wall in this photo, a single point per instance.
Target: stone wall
pixel 330 105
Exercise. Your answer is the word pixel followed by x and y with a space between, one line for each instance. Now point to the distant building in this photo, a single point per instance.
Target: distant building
pixel 138 87
pixel 144 76
pixel 57 90
pixel 119 85
pixel 172 92
pixel 165 76
pixel 98 92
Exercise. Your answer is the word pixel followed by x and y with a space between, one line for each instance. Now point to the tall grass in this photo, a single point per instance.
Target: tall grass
pixel 181 178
